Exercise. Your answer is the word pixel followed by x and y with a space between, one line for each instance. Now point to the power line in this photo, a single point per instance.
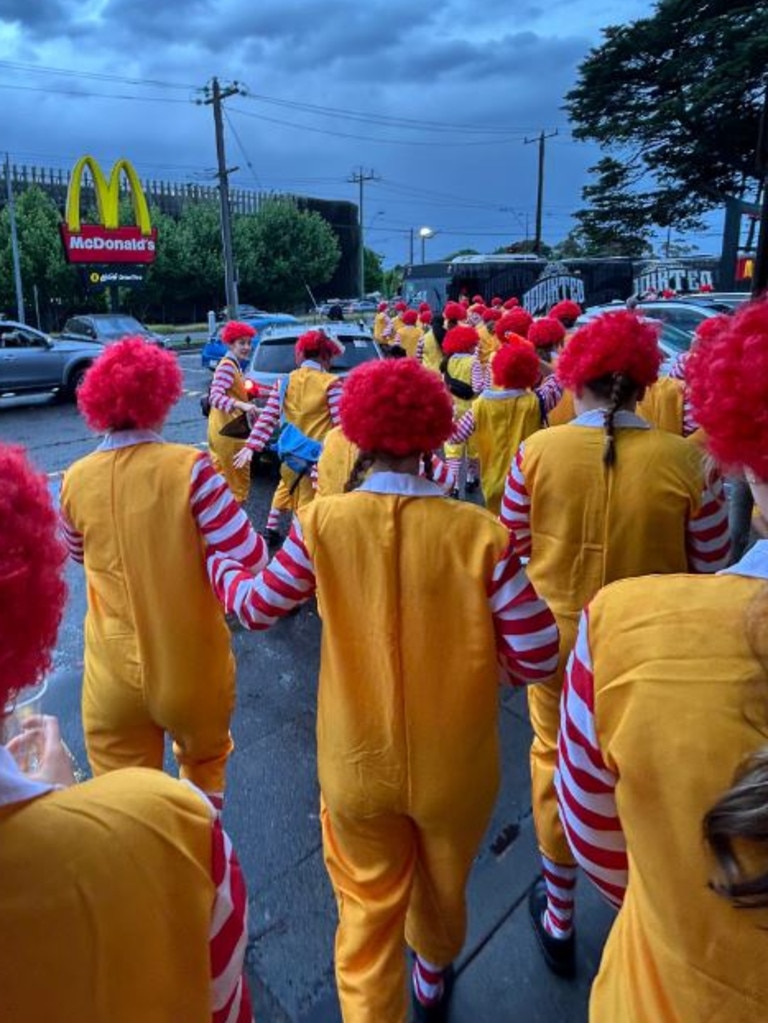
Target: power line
pixel 80 94
pixel 95 75
pixel 242 149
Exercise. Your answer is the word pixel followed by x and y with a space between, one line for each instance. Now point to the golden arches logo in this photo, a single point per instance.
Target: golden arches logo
pixel 107 195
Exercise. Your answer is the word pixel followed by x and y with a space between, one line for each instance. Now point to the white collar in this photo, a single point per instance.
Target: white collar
pixel 401 483
pixel 622 420
pixel 311 364
pixel 753 564
pixel 15 787
pixel 514 392
pixel 117 439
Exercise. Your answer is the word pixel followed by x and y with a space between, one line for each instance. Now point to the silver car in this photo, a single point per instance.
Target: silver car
pixel 33 363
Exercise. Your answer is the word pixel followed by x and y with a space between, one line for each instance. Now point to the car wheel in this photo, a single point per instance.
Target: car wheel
pixel 76 378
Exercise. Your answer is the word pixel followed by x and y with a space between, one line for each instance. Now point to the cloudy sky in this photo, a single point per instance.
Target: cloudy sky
pixel 435 98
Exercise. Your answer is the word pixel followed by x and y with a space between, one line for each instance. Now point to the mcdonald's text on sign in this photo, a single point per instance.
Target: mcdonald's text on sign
pixel 108 241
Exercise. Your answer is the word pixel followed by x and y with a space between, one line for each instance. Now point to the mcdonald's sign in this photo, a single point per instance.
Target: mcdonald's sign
pixel 745 267
pixel 107 241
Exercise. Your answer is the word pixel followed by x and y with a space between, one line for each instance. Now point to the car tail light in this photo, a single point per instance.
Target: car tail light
pixel 251 387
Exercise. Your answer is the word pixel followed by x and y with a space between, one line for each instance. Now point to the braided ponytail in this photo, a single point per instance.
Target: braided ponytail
pixel 614 401
pixel 429 465
pixel 362 464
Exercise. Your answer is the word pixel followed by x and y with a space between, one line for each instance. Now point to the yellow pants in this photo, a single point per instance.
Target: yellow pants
pixel 238 480
pixel 125 726
pixel 303 493
pixel 396 881
pixel 544 710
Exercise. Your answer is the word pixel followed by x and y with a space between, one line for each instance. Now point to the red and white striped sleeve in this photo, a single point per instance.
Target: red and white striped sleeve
pixel 527 639
pixel 515 511
pixel 223 379
pixel 73 540
pixel 586 788
pixel 690 423
pixel 708 539
pixel 334 399
pixel 481 376
pixel 230 998
pixel 549 392
pixel 463 429
pixel 223 525
pixel 419 354
pixel 442 474
pixel 268 418
pixel 258 601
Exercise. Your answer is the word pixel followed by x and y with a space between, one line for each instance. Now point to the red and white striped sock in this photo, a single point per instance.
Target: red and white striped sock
pixel 561 887
pixel 454 464
pixel 273 519
pixel 427 981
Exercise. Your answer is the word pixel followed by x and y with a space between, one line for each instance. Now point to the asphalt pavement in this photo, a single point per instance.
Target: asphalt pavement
pixel 272 799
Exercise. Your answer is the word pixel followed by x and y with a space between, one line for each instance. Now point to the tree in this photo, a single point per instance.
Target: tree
pixel 374 273
pixel 461 252
pixel 280 250
pixel 616 224
pixel 679 94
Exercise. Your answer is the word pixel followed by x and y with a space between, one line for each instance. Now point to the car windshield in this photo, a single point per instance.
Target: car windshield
pixel 674 338
pixel 118 326
pixel 275 355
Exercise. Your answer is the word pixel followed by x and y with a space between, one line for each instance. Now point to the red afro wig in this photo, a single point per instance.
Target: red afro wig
pixel 512 303
pixel 454 311
pixel 566 311
pixel 712 325
pixel 315 344
pixel 492 314
pixel 478 300
pixel 425 307
pixel 727 375
pixel 395 407
pixel 410 317
pixel 425 317
pixel 516 321
pixel 401 306
pixel 234 330
pixel 382 307
pixel 32 588
pixel 459 340
pixel 516 366
pixel 496 301
pixel 546 332
pixel 131 386
pixel 619 342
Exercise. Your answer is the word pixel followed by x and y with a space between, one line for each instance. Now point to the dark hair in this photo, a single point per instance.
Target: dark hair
pixel 336 312
pixel 617 389
pixel 428 462
pixel 742 812
pixel 439 329
pixel 362 464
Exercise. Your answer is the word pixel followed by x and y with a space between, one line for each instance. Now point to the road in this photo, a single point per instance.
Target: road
pixel 272 797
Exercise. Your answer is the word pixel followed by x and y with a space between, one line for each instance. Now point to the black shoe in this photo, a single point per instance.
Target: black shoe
pixel 273 538
pixel 559 953
pixel 438 1012
pixel 455 494
pixel 472 486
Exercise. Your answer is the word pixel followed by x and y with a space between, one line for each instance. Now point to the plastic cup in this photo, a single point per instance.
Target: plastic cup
pixel 16 721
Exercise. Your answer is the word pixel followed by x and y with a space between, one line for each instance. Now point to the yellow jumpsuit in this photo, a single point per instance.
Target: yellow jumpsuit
pixel 662 405
pixel 106 903
pixel 489 343
pixel 157 647
pixel 460 367
pixel 223 449
pixel 401 820
pixel 677 711
pixel 306 406
pixel 433 356
pixel 409 337
pixel 335 464
pixel 503 419
pixel 589 527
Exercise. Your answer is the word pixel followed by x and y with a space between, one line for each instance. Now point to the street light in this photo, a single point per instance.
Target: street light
pixel 424 233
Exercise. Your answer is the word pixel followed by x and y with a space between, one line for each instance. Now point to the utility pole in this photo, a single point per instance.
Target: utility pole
pixel 760 272
pixel 540 189
pixel 14 244
pixel 359 177
pixel 214 96
pixel 410 250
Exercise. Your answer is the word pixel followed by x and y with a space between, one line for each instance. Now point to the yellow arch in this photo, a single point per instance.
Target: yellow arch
pixel 107 194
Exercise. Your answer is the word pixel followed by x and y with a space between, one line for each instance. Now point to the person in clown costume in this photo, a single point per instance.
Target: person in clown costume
pixel 408 763
pixel 311 403
pixel 409 335
pixel 113 892
pixel 503 416
pixel 662 774
pixel 459 357
pixel 229 399
pixel 599 499
pixel 139 513
pixel 382 325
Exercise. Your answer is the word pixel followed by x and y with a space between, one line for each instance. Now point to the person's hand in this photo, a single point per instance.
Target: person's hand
pixel 242 458
pixel 41 738
pixel 244 406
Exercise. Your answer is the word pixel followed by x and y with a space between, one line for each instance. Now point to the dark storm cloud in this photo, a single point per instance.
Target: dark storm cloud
pixel 41 19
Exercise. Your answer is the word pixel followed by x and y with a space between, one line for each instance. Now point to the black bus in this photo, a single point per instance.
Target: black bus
pixel 540 283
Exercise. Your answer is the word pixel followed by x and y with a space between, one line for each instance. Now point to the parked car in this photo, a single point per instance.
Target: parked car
pixel 722 301
pixel 673 339
pixel 108 327
pixel 214 348
pixel 274 357
pixel 33 363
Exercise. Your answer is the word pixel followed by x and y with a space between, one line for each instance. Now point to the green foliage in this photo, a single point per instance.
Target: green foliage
pixel 617 221
pixel 392 280
pixel 679 94
pixel 461 252
pixel 374 273
pixel 280 250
